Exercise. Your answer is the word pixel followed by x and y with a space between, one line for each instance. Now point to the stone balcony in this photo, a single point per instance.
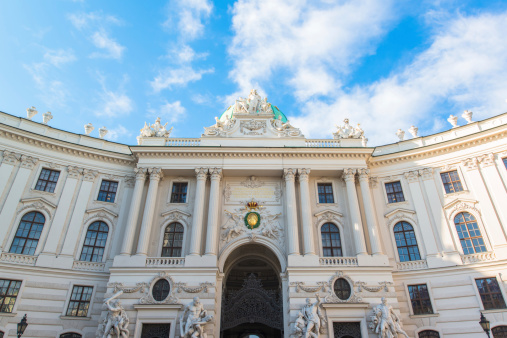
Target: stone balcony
pixel 8 257
pixel 164 261
pixel 412 265
pixel 478 257
pixel 88 266
pixel 338 261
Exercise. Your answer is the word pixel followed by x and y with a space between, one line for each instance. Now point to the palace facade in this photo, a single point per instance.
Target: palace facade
pixel 253 219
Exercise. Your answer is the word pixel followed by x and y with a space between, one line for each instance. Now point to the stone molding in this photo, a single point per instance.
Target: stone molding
pixel 328 216
pixel 175 215
pixel 130 181
pixel 89 175
pixel 28 162
pixel 10 157
pixel 398 215
pixel 196 153
pixel 459 205
pixel 426 173
pixel 412 176
pixel 332 298
pixel 37 203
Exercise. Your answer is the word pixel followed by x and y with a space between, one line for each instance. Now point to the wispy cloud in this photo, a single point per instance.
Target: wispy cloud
pixel 96 26
pixel 170 77
pixel 464 67
pixel 59 57
pixel 118 133
pixel 172 112
pixel 114 103
pixel 189 18
pixel 112 49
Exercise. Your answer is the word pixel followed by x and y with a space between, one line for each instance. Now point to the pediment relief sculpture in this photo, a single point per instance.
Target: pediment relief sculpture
pixel 348 131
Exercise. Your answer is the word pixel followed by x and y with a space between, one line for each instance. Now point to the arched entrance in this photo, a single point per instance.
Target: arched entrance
pixel 252 294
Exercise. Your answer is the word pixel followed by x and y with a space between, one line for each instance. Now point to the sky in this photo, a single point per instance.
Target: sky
pixel 384 64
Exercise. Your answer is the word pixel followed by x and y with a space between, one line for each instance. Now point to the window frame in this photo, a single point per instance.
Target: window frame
pixel 69 295
pixel 322 243
pixel 333 187
pixel 429 298
pixel 430 293
pixel 105 253
pixel 391 179
pixel 422 254
pixel 117 193
pixel 38 247
pixel 387 193
pixel 484 234
pixel 332 192
pixel 461 178
pixel 171 192
pixel 502 292
pixel 425 328
pixel 14 308
pixel 478 295
pixel 77 254
pixel 58 335
pixel 342 237
pixel 182 240
pixel 163 225
pixel 37 178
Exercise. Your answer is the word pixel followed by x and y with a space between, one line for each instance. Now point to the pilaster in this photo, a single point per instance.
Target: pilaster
pixel 197 216
pixel 212 230
pixel 306 212
pixel 9 161
pixel 495 187
pixel 291 217
pixel 355 214
pixel 371 220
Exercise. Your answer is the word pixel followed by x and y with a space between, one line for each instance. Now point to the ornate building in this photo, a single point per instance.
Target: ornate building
pixel 252 230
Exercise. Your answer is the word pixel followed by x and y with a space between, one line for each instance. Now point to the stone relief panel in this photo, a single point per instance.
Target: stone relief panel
pixel 241 191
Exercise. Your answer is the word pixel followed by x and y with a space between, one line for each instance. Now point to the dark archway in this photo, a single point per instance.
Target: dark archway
pixel 252 295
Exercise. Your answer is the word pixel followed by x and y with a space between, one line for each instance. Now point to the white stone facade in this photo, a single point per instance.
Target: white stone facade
pixel 253 158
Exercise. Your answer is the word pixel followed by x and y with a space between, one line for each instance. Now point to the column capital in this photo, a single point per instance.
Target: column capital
pixel 10 158
pixel 373 181
pixel 156 174
pixel 471 163
pixel 426 173
pixel 89 175
pixel 130 181
pixel 73 172
pixel 289 174
pixel 412 176
pixel 364 174
pixel 201 173
pixel 28 162
pixel 349 175
pixel 304 174
pixel 487 160
pixel 215 173
pixel 140 173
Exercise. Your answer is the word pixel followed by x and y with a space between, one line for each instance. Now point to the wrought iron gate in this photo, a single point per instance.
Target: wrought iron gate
pixel 252 304
pixel 347 330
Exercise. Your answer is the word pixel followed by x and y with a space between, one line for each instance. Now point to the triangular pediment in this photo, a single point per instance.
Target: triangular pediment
pixel 175 212
pixel 328 212
pixel 42 200
pixel 460 200
pixel 398 210
pixel 99 210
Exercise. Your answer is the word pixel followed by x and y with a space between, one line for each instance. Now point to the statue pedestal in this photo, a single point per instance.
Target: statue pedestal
pixel 151 141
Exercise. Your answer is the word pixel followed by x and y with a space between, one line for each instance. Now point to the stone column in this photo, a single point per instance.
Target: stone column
pixel 495 233
pixel 76 222
pixel 371 220
pixel 195 244
pixel 9 160
pixel 135 205
pixel 13 197
pixel 149 208
pixel 292 220
pixel 355 213
pixel 214 199
pixel 57 225
pixel 422 214
pixel 441 224
pixel 306 215
pixel 495 187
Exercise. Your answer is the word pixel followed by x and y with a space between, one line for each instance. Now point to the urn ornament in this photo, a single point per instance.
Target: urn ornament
pixel 413 130
pixel 467 115
pixel 453 120
pixel 88 128
pixel 46 117
pixel 31 112
pixel 103 132
pixel 401 134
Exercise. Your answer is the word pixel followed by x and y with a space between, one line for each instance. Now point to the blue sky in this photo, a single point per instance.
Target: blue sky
pixel 385 64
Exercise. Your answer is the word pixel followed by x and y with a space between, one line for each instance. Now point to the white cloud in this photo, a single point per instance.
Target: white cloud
pixel 59 57
pixel 118 133
pixel 171 77
pixel 113 50
pixel 85 20
pixel 52 91
pixel 465 68
pixel 316 41
pixel 114 103
pixel 190 14
pixel 171 112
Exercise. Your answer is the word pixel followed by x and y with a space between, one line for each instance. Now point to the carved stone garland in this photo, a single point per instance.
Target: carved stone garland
pixel 383 286
pixel 300 286
pixel 203 287
pixel 332 298
pixel 170 299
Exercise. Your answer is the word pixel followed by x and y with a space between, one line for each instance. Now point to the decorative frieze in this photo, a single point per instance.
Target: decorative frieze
pixel 89 175
pixel 88 266
pixel 478 257
pixel 383 286
pixel 203 287
pixel 412 176
pixel 10 158
pixel 426 174
pixel 302 287
pixel 28 162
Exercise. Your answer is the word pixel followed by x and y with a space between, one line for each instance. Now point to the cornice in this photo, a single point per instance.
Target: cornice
pixel 45 142
pixel 440 148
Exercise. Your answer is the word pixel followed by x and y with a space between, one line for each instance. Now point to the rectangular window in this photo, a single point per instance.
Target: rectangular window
pixel 79 301
pixel 107 192
pixel 47 180
pixel 491 295
pixel 325 192
pixel 9 290
pixel 394 192
pixel 179 192
pixel 451 181
pixel 420 299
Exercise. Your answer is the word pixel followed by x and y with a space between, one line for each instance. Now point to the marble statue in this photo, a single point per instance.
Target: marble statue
pixel 155 130
pixel 116 320
pixel 386 322
pixel 193 319
pixel 348 131
pixel 234 228
pixel 299 325
pixel 286 129
pixel 253 104
pixel 313 319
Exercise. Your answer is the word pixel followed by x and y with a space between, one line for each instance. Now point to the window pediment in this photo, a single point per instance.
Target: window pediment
pixel 328 215
pixel 38 203
pixel 461 204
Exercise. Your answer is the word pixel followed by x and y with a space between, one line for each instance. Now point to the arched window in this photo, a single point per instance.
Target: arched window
pixel 28 233
pixel 70 335
pixel 499 331
pixel 406 242
pixel 95 242
pixel 469 233
pixel 429 334
pixel 161 290
pixel 331 241
pixel 173 240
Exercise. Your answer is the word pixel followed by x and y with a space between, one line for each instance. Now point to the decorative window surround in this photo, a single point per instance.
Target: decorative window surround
pixel 168 217
pixel 68 296
pixel 333 188
pixel 501 284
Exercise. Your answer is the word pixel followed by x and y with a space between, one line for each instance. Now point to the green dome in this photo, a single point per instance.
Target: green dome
pixel 275 110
